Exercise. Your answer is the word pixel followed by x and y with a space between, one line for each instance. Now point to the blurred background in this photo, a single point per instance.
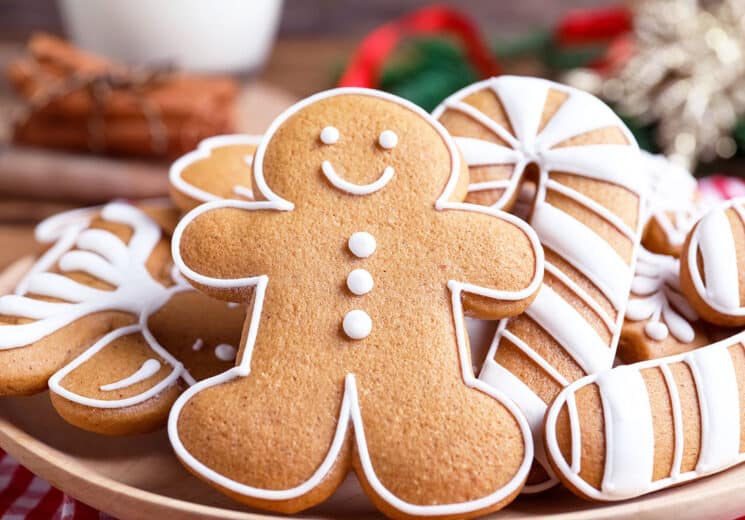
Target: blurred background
pixel 99 97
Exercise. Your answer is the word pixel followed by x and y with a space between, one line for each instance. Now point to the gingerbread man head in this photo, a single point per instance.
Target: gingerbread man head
pixel 355 355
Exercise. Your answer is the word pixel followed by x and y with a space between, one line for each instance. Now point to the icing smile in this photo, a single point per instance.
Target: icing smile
pixel 356 189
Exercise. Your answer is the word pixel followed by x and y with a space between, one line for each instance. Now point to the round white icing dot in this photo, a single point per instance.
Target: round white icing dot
pixel 225 352
pixel 360 282
pixel 388 139
pixel 357 324
pixel 362 244
pixel 329 135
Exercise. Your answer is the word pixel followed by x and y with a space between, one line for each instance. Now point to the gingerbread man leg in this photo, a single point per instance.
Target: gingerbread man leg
pixel 286 435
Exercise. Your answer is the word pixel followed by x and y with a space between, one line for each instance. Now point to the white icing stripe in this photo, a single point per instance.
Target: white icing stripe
pixel 582 294
pixel 574 426
pixel 718 396
pixel 66 240
pixel 148 369
pixel 489 185
pixel 532 354
pixel 478 152
pixel 599 209
pixel 23 307
pixel 105 244
pixel 58 286
pixel 531 405
pixel 585 250
pixel 605 162
pixel 574 118
pixel 678 434
pixel 567 326
pixel 628 422
pixel 717 246
pixel 92 264
pixel 523 100
pixel 483 119
pixel 356 189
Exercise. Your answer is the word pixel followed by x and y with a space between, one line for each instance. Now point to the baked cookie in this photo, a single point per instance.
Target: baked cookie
pixel 109 276
pixel 659 320
pixel 672 203
pixel 582 163
pixel 639 428
pixel 220 168
pixel 355 356
pixel 712 272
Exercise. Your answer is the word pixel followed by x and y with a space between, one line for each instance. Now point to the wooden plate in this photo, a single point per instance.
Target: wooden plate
pixel 138 477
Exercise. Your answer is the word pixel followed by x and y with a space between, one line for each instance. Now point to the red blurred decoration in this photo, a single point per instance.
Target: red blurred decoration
pixel 593 25
pixel 366 63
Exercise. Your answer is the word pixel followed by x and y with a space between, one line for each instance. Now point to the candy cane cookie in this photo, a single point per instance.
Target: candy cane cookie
pixel 584 165
pixel 639 428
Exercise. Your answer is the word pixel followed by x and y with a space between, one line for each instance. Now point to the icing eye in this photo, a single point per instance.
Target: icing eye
pixel 329 135
pixel 388 139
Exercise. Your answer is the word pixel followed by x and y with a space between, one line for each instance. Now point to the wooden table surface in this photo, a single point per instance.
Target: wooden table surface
pixel 295 69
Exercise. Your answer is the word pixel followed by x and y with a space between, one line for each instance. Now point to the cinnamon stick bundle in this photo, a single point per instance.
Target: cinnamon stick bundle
pixel 83 102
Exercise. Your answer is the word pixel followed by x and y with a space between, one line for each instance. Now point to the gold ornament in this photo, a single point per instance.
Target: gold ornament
pixel 687 76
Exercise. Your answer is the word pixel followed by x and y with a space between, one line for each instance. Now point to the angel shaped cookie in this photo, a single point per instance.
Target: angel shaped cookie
pixel 101 317
pixel 220 168
pixel 355 356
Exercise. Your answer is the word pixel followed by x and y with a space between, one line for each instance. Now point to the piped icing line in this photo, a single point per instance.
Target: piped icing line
pixel 62 229
pixel 149 368
pixel 137 286
pixel 712 237
pixel 350 413
pixel 718 397
pixel 656 296
pixel 203 151
pixel 356 189
pixel 56 386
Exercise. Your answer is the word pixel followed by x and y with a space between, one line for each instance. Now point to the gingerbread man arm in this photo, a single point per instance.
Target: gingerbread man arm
pixel 214 245
pixel 509 283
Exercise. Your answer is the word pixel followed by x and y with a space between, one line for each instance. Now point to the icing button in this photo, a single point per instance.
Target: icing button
pixel 362 244
pixel 357 324
pixel 360 282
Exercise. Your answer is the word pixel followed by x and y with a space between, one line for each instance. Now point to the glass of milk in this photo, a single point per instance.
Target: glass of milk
pixel 197 35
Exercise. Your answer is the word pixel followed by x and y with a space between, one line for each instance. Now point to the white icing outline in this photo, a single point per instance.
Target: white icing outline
pixel 692 252
pixel 529 144
pixel 675 477
pixel 350 412
pixel 203 151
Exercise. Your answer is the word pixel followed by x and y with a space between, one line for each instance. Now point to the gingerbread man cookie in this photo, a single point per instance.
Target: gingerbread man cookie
pixel 581 164
pixel 355 355
pixel 712 273
pixel 109 270
pixel 220 168
pixel 640 428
